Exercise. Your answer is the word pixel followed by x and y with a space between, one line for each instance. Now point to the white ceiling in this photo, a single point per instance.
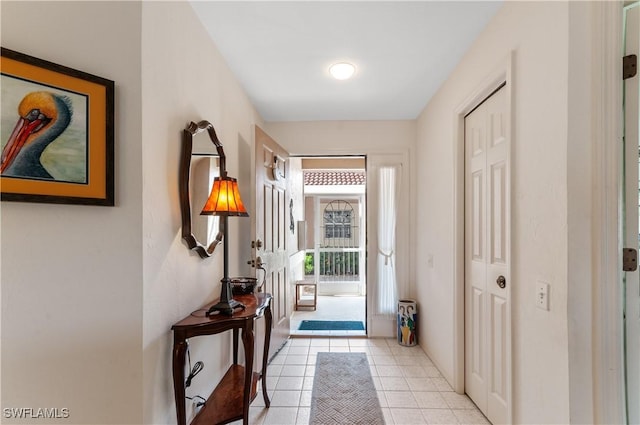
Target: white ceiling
pixel 281 52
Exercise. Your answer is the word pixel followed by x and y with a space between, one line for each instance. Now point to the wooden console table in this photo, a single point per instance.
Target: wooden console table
pixel 231 398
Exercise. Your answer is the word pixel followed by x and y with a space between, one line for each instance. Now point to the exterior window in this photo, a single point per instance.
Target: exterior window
pixel 337 224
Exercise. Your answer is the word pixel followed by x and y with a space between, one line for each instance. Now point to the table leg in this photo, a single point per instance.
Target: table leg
pixel 265 356
pixel 179 351
pixel 247 341
pixel 235 345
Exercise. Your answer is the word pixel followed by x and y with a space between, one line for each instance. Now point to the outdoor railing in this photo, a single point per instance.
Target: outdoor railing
pixel 335 264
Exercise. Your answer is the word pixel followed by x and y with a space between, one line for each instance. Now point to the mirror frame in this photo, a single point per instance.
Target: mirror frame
pixel 183 186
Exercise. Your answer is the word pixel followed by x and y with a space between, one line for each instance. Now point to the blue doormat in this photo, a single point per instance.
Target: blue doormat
pixel 331 325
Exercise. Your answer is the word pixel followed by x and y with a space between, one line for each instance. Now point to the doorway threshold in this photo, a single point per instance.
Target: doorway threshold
pixel 331 308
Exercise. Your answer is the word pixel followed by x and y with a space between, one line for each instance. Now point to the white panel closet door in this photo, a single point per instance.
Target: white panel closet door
pixel 487 242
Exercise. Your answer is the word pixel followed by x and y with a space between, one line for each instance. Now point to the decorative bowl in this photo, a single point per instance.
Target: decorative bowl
pixel 243 285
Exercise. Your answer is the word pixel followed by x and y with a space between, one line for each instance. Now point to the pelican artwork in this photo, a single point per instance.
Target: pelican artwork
pixel 43 117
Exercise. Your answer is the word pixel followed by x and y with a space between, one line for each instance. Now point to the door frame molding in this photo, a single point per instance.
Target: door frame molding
pixel 606 42
pixel 502 74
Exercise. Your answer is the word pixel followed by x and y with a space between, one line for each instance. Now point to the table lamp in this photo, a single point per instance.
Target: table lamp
pixel 224 201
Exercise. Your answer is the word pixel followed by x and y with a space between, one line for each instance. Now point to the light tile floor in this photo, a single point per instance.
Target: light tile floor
pixel 411 390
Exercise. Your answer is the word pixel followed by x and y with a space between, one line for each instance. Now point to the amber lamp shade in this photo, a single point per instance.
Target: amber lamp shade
pixel 225 201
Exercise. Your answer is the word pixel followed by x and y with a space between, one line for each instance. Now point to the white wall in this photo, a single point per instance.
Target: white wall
pixel 72 275
pixel 343 137
pixel 538 34
pixel 184 78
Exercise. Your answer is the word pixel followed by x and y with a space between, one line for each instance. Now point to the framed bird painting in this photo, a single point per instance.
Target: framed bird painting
pixel 56 133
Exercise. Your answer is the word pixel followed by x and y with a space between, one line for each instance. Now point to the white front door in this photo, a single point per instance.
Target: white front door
pixel 632 283
pixel 271 231
pixel 487 241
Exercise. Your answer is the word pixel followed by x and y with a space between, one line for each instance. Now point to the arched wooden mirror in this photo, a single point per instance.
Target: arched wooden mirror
pixel 199 165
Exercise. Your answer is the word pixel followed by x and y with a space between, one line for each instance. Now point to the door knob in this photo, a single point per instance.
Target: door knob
pixel 501 281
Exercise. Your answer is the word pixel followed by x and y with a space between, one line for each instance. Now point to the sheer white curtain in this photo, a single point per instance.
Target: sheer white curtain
pixel 387 292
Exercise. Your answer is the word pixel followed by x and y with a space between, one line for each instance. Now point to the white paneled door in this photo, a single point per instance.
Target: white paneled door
pixel 487 241
pixel 272 172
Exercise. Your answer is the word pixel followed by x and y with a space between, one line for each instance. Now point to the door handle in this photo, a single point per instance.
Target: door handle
pixel 501 282
pixel 257 263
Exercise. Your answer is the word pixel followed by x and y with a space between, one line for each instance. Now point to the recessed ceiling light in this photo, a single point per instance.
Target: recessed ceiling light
pixel 342 70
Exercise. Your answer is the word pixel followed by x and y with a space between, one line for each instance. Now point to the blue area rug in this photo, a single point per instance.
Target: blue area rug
pixel 331 325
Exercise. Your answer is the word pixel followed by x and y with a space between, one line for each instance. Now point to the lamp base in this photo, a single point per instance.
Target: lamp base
pixel 226 307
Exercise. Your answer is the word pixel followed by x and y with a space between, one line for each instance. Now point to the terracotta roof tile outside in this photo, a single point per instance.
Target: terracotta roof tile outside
pixel 334 178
